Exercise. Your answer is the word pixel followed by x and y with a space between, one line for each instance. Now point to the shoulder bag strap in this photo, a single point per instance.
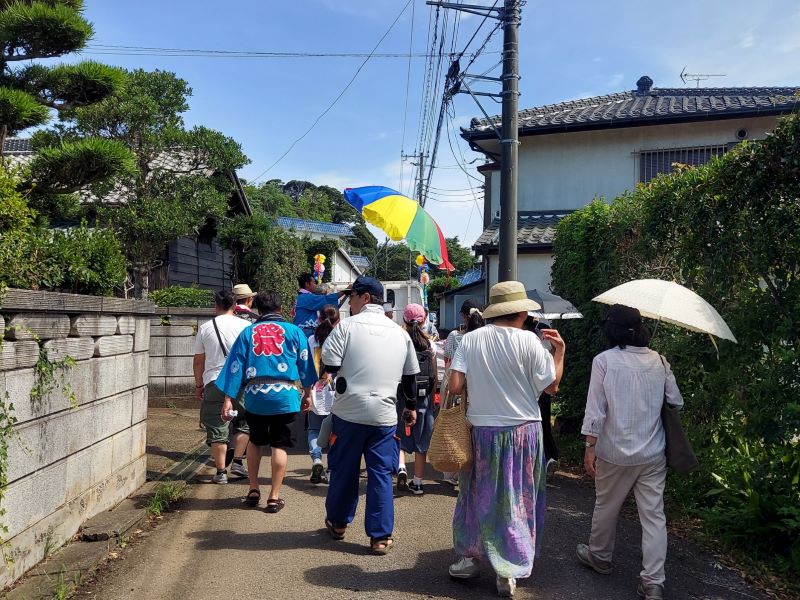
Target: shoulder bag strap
pixel 219 338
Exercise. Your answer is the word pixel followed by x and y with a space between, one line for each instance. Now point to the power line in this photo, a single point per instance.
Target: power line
pixel 111 50
pixel 335 100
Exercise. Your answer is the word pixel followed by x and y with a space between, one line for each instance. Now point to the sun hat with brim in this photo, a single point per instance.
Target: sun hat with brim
pixel 242 290
pixel 507 298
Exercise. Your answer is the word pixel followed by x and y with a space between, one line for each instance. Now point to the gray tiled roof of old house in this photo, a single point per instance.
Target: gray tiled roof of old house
pixel 648 105
pixel 534 229
pixel 19 151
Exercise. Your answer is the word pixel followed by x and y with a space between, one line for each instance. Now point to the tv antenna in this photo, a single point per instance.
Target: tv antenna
pixel 698 77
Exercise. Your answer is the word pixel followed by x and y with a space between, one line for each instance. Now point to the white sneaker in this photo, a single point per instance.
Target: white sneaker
pixel 451 478
pixel 240 470
pixel 506 586
pixel 466 568
pixel 220 478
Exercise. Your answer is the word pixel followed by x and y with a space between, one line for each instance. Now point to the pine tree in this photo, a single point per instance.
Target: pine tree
pixel 30 95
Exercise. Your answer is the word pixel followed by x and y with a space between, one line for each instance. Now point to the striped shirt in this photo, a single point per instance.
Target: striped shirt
pixel 623 407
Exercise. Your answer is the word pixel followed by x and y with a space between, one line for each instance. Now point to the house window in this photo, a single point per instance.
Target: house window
pixel 651 163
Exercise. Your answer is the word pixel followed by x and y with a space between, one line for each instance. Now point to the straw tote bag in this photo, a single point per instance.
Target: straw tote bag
pixel 450 449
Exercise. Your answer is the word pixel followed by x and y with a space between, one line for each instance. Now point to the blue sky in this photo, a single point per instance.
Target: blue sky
pixel 568 50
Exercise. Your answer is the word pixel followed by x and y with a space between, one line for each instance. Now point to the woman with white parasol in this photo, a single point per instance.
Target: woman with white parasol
pixel 625 439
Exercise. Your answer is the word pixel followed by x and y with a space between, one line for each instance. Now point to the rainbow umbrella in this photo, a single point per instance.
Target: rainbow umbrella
pixel 401 218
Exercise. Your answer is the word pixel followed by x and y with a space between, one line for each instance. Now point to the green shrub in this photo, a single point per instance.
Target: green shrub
pixel 80 260
pixel 729 230
pixel 265 256
pixel 177 295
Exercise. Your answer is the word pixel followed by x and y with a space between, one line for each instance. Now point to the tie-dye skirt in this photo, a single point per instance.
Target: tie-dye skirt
pixel 499 514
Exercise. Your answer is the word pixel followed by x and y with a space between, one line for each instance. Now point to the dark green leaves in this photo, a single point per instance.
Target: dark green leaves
pixel 19 110
pixel 30 30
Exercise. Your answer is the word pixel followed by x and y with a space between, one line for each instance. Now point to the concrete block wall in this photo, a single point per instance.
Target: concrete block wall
pixel 172 335
pixel 80 449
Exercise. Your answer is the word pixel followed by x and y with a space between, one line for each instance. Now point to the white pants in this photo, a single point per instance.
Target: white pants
pixel 613 484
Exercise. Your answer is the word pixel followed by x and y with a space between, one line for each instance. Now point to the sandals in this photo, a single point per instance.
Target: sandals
pixel 382 545
pixel 275 505
pixel 253 497
pixel 337 533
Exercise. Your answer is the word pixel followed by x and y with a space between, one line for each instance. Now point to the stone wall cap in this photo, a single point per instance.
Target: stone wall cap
pixel 31 301
pixel 184 311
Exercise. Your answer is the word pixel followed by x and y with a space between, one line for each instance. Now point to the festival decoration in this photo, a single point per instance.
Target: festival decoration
pixel 401 218
pixel 424 278
pixel 319 267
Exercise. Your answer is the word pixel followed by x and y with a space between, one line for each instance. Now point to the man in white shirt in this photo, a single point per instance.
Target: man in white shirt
pixel 371 356
pixel 214 340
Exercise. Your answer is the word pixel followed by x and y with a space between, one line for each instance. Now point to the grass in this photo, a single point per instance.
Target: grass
pixel 165 496
pixel 64 587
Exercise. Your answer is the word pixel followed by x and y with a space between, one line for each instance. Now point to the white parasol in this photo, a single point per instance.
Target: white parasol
pixel 669 302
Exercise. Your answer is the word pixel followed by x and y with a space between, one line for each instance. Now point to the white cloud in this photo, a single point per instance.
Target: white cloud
pixel 747 40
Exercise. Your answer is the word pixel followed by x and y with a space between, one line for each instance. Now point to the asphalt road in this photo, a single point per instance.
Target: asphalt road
pixel 216 547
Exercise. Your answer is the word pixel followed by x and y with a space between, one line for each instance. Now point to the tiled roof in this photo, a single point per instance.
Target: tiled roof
pixel 305 226
pixel 647 105
pixel 471 276
pixel 177 161
pixel 362 262
pixel 17 146
pixel 534 229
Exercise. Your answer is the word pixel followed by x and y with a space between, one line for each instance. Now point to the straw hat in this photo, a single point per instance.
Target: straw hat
pixel 506 298
pixel 242 290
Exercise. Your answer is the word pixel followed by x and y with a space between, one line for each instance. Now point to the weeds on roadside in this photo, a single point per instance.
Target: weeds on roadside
pixel 165 496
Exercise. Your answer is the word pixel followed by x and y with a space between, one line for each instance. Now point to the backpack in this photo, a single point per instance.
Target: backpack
pixel 424 378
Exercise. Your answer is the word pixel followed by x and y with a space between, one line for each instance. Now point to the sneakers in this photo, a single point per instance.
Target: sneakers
pixel 402 481
pixel 317 470
pixel 416 488
pixel 466 568
pixel 452 479
pixel 506 586
pixel 237 469
pixel 587 558
pixel 220 478
pixel 650 592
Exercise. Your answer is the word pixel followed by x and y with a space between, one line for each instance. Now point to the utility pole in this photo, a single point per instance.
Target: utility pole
pixel 509 15
pixel 420 158
pixel 509 143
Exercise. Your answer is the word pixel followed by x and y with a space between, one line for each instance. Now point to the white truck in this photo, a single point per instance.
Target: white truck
pixel 397 293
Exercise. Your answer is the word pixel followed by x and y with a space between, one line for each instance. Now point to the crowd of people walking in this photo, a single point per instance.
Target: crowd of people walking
pixel 367 388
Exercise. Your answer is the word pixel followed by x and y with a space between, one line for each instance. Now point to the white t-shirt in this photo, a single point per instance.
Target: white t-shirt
pixel 207 343
pixel 373 354
pixel 506 369
pixel 322 394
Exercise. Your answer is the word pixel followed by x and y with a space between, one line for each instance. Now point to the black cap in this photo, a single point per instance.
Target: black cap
pixel 364 284
pixel 619 314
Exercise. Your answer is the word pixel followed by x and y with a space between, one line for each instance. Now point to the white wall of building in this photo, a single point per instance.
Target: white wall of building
pixel 343 270
pixel 532 269
pixel 568 170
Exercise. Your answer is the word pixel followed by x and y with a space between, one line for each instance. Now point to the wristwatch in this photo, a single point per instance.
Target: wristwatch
pixel 591 444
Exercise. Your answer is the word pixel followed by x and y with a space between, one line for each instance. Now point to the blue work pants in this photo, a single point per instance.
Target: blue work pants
pixel 380 449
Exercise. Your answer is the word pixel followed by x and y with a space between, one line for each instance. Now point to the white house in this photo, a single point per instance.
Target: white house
pixel 342 267
pixel 575 151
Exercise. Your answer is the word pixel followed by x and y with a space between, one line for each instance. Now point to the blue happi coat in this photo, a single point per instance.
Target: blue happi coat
pixel 270 348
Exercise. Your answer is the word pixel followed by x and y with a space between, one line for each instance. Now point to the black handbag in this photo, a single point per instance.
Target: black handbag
pixel 680 454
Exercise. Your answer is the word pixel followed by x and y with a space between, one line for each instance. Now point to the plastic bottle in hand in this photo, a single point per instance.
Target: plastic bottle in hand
pixel 232 414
